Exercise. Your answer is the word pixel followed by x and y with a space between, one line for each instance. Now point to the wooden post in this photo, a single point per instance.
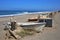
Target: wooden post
pixel 38 17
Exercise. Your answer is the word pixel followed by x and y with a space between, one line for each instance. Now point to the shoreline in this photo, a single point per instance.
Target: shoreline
pixel 24 13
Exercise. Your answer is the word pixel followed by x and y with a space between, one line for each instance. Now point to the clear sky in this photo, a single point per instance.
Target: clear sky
pixel 29 4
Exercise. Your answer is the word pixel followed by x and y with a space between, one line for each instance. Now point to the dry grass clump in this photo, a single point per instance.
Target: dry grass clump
pixel 25 32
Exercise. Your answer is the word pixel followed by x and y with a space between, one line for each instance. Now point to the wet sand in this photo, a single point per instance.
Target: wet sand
pixel 47 34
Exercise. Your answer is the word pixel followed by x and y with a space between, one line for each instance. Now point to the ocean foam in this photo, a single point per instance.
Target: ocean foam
pixel 23 14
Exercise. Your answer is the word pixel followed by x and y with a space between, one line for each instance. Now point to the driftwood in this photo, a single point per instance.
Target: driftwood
pixel 12 34
pixel 32 20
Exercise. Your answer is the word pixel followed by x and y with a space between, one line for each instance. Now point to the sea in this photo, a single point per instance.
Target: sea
pixel 5 13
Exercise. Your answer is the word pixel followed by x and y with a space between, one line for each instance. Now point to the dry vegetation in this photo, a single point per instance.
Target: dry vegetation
pixel 25 32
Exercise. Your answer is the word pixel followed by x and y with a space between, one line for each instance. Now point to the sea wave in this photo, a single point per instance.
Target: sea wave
pixel 23 13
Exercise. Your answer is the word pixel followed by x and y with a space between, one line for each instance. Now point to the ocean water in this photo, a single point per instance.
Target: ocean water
pixel 4 13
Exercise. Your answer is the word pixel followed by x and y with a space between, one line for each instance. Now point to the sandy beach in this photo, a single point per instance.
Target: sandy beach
pixel 47 34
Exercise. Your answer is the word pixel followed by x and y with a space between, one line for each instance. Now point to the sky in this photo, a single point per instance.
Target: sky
pixel 29 4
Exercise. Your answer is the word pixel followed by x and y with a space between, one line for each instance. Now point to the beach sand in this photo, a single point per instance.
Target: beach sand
pixel 47 34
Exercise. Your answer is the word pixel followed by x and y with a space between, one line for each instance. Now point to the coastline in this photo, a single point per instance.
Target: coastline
pixel 19 15
pixel 24 13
